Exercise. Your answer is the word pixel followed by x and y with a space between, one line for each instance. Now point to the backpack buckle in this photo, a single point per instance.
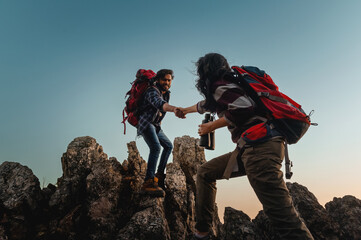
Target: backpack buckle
pixel 263 94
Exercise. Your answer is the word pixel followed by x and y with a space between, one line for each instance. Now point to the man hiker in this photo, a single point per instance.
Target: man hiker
pixel 261 162
pixel 155 105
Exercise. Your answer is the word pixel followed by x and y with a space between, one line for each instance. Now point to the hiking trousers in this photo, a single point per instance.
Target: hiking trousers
pixel 155 140
pixel 261 163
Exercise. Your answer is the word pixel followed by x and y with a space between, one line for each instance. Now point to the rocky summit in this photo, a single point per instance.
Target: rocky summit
pixel 99 198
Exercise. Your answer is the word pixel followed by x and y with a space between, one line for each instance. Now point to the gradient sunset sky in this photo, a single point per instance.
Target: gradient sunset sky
pixel 65 67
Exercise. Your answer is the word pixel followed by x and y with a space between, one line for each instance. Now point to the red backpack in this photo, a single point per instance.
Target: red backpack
pixel 132 105
pixel 283 113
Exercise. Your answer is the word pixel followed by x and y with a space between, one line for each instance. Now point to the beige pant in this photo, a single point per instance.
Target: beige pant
pixel 261 163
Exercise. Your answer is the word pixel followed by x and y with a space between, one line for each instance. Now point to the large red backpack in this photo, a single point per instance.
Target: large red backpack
pixel 135 95
pixel 282 113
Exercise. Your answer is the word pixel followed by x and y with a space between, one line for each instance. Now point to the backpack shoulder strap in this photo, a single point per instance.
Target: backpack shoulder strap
pixel 239 79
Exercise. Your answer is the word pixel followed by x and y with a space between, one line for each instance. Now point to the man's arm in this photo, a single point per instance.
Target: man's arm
pixel 153 97
pixel 168 108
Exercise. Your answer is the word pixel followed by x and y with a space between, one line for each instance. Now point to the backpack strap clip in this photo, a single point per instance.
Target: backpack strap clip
pixel 274 98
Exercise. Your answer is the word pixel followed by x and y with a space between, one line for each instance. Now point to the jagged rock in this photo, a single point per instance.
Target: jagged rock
pixel 82 152
pixel 77 161
pixel 347 212
pixel 99 198
pixel 178 202
pixel 147 223
pixel 48 192
pixel 176 186
pixel 67 202
pixel 318 221
pixel 136 165
pixel 103 185
pixel 264 228
pixel 133 172
pixel 20 198
pixel 3 236
pixel 189 155
pixel 19 188
pixel 238 226
pixel 4 222
pixel 134 168
pixel 87 196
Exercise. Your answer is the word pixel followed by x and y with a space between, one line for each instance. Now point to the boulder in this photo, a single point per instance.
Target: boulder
pixel 20 201
pixel 346 211
pixel 238 226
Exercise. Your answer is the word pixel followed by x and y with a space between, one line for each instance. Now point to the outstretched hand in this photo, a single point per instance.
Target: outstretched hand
pixel 179 113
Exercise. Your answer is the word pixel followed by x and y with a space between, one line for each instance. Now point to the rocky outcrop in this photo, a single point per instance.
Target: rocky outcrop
pixel 181 177
pixel 20 201
pixel 99 198
pixel 317 219
pixel 346 212
pixel 238 225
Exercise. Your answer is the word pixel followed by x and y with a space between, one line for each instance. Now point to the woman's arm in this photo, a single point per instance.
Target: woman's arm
pixel 211 126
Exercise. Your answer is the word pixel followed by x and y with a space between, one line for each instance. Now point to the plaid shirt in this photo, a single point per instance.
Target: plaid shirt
pixel 152 109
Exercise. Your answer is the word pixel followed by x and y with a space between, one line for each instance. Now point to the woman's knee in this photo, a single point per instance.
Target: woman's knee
pixel 203 173
pixel 213 169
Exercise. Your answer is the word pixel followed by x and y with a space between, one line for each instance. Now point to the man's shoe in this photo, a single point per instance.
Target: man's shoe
pixel 151 187
pixel 161 178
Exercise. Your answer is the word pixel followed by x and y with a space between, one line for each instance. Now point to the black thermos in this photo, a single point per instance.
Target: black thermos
pixel 207 140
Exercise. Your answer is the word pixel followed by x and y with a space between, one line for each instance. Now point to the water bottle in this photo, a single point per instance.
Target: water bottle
pixel 207 140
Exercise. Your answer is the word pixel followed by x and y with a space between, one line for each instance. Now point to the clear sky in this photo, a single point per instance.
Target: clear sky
pixel 65 67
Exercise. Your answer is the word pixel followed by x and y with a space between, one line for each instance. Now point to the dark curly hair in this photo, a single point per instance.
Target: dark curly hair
pixel 210 68
pixel 161 74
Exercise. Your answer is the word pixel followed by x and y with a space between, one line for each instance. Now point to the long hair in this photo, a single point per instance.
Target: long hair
pixel 210 68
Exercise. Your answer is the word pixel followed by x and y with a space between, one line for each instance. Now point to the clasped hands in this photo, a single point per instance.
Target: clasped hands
pixel 180 112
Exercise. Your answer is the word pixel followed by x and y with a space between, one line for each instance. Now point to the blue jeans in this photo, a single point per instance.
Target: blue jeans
pixel 154 141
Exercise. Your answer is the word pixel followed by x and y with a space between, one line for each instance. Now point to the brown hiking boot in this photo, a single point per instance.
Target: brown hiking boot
pixel 151 187
pixel 161 178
